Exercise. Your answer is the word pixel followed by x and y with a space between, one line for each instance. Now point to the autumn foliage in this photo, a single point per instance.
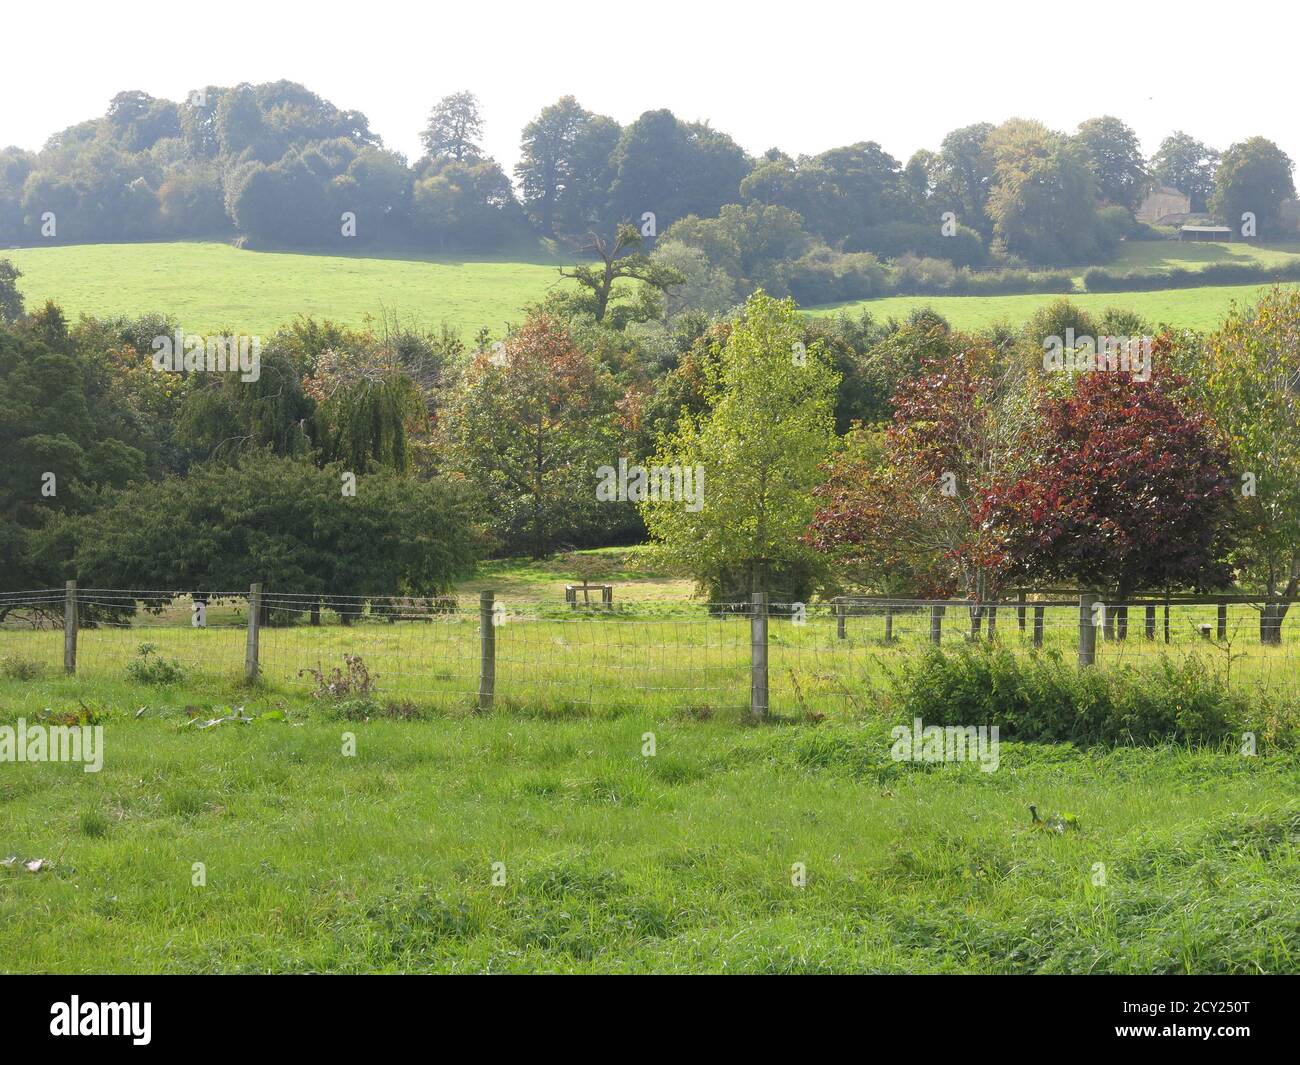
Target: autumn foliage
pixel 992 474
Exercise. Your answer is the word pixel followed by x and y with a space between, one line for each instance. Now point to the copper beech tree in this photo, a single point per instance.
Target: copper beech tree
pixel 990 475
pixel 1127 489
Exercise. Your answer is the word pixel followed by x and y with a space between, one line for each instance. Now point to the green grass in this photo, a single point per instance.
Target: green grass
pixel 1193 255
pixel 663 654
pixel 613 861
pixel 1184 308
pixel 209 286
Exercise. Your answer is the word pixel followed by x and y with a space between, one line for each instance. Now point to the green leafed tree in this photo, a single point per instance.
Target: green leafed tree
pixel 768 426
pixel 621 260
pixel 1184 163
pixel 1247 373
pixel 1115 155
pixel 546 167
pixel 528 426
pixel 283 523
pixel 454 129
pixel 1254 177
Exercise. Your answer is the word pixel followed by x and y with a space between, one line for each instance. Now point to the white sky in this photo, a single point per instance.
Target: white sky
pixel 804 77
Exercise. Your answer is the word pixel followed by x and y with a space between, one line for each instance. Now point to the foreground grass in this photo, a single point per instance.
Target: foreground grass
pixel 613 861
pixel 212 286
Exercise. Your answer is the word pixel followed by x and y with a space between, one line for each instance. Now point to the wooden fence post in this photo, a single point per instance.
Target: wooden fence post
pixel 889 622
pixel 936 624
pixel 993 622
pixel 758 693
pixel 841 626
pixel 70 627
pixel 1223 621
pixel 1087 631
pixel 1039 612
pixel 1150 623
pixel 487 659
pixel 251 664
pixel 1020 610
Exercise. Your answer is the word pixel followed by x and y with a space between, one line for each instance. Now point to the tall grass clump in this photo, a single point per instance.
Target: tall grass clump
pixel 1044 698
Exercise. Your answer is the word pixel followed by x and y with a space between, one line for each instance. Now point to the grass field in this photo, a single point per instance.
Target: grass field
pixel 216 287
pixel 1182 308
pixel 384 860
pixel 659 653
pixel 330 844
pixel 1135 255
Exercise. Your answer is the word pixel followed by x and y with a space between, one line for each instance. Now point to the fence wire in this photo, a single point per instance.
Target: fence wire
pixel 554 657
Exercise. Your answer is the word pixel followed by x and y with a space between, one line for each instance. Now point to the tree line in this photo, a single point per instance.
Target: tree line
pixel 904 458
pixel 276 165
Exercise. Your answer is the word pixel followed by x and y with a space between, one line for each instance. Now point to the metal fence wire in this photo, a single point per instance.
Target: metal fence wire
pixel 755 656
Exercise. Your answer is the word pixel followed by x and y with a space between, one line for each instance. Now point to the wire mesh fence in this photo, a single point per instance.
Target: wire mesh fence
pixel 557 656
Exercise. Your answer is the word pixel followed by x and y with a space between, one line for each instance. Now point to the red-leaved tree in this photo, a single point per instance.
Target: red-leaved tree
pixel 1126 490
pixel 906 514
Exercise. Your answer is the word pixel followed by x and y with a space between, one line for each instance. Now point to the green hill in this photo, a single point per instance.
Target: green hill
pixel 219 287
pixel 213 286
pixel 1188 308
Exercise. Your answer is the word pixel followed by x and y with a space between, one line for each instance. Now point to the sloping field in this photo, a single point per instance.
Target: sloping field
pixel 216 287
pixel 1185 308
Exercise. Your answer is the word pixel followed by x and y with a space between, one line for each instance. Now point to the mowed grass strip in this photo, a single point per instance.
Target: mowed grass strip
pixel 313 860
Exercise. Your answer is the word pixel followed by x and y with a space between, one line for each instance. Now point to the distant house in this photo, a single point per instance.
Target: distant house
pixel 1161 202
pixel 1204 233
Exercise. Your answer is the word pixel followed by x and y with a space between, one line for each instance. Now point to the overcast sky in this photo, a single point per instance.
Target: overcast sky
pixel 804 77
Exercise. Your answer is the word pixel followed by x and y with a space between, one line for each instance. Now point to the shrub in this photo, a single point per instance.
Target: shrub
pixel 1041 697
pixel 148 667
pixel 914 276
pixel 1053 319
pixel 894 239
pixel 826 276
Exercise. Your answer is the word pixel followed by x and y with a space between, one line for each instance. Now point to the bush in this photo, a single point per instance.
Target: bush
pixel 150 668
pixel 895 239
pixel 913 276
pixel 1040 697
pixel 1053 319
pixel 827 276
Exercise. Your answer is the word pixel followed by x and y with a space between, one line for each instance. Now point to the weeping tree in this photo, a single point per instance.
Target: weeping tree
pixel 367 409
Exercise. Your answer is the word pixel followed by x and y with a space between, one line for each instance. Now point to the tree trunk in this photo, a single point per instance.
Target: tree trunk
pixel 1270 622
